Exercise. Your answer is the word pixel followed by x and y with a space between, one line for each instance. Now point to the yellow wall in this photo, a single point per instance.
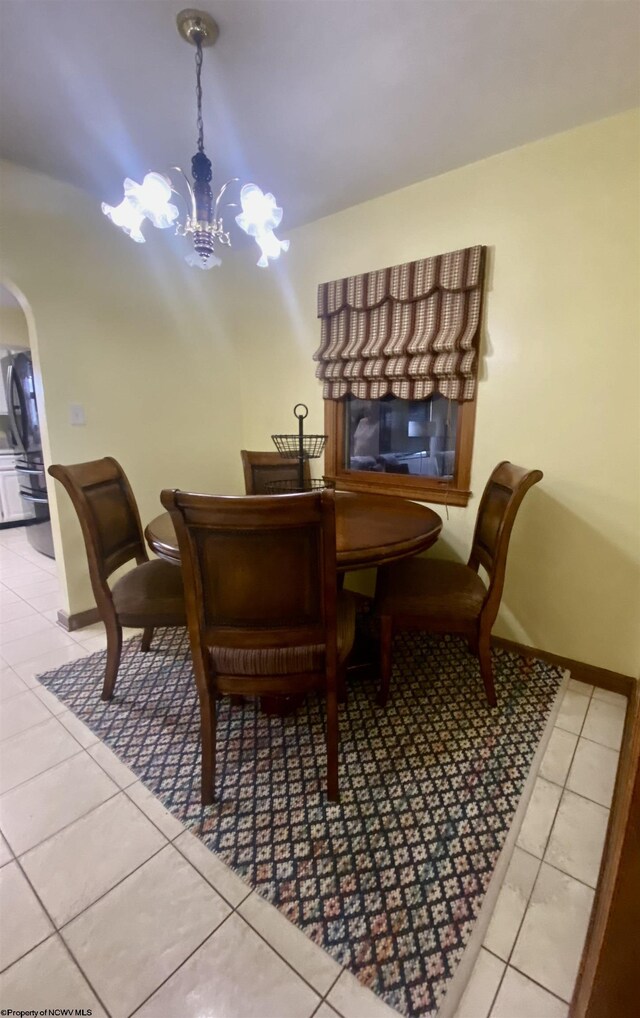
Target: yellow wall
pixel 13 327
pixel 132 334
pixel 559 384
pixel 153 351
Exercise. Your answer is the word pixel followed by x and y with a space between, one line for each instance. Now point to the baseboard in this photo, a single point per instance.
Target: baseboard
pixel 78 620
pixel 591 674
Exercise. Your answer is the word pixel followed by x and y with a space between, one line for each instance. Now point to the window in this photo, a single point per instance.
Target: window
pixel 398 359
pixel 414 448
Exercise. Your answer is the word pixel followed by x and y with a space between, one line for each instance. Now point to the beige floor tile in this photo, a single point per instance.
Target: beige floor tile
pixel 324 1011
pixel 5 852
pixel 51 601
pixel 77 728
pixel 47 978
pixel 50 700
pixel 10 683
pixel 310 961
pixel 604 723
pixel 75 867
pixel 43 806
pixel 24 922
pixel 20 713
pixel 34 751
pixel 512 903
pixel 593 771
pixel 608 696
pixel 557 758
pixel 31 588
pixel 353 1000
pixel 572 711
pixel 25 649
pixel 219 971
pixel 518 997
pixel 29 670
pixel 144 929
pixel 482 986
pixel 550 942
pixel 23 575
pixel 225 881
pixel 23 627
pixel 153 808
pixel 18 609
pixel 94 644
pixel 110 763
pixel 577 838
pixel 88 632
pixel 580 687
pixel 8 596
pixel 538 819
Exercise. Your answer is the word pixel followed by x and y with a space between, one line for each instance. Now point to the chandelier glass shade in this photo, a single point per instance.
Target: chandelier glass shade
pixel 203 222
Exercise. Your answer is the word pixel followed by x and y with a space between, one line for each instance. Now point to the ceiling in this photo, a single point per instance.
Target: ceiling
pixel 325 102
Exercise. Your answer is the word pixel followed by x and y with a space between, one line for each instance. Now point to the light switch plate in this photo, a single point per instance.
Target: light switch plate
pixel 76 414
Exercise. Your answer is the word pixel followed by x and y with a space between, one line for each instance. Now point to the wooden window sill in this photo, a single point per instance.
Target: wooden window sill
pixel 401 485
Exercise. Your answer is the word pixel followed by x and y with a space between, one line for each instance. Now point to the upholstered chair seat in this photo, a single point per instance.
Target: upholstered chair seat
pixel 442 590
pixel 153 587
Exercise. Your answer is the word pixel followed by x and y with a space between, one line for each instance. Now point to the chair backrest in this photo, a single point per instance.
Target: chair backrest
pixel 499 504
pixel 263 468
pixel 259 572
pixel 108 514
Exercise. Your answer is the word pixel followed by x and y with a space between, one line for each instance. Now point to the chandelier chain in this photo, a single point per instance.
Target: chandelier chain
pixel 199 93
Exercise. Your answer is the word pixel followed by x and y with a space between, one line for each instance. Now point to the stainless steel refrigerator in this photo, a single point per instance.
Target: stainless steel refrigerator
pixel 26 442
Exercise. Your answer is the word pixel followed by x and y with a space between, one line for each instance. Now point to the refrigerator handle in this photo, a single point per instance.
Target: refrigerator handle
pixel 13 386
pixel 34 498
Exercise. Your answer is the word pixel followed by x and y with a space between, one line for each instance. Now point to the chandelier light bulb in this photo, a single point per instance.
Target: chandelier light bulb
pixel 151 198
pixel 259 217
pixel 127 216
pixel 203 222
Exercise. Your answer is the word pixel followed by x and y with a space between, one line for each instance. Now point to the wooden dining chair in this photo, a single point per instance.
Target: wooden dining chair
pixel 263 608
pixel 264 468
pixel 147 596
pixel 449 597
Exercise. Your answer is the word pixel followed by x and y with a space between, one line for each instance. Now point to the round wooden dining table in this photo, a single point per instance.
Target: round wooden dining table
pixel 371 530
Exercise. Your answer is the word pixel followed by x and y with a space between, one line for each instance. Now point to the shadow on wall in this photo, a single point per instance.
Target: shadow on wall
pixel 557 558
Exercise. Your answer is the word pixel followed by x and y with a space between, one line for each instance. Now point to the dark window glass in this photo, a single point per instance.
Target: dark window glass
pixel 400 436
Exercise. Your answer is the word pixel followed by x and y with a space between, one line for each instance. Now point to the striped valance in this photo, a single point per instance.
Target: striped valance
pixel 409 330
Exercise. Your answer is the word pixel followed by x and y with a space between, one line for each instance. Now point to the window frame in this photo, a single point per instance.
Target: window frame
pixel 424 489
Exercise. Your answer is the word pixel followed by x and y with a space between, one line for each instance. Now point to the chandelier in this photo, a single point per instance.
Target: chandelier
pixel 203 222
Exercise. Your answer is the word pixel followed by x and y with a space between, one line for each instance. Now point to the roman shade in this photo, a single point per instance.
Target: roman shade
pixel 409 330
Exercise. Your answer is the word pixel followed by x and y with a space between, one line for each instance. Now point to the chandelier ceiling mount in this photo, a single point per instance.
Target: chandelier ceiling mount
pixel 203 222
pixel 194 25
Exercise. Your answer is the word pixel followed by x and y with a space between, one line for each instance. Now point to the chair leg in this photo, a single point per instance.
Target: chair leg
pixel 333 793
pixel 145 642
pixel 386 640
pixel 208 737
pixel 484 653
pixel 114 650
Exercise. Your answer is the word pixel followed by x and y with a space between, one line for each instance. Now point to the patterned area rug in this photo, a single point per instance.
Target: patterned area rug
pixel 390 880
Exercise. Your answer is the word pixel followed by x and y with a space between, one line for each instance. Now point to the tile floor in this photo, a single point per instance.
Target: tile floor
pixel 85 849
